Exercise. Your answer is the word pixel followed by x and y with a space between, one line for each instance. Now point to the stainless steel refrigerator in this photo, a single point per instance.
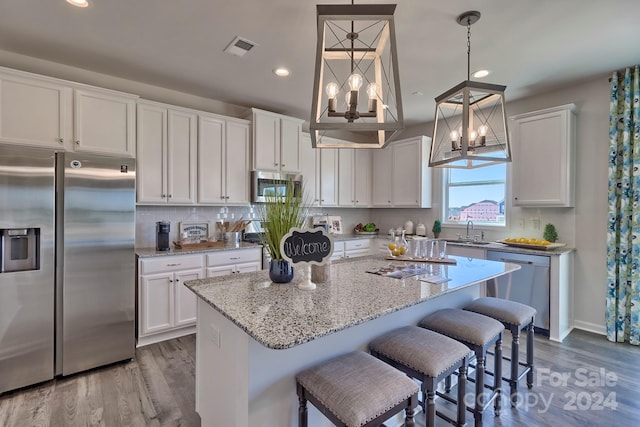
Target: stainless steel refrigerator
pixel 67 266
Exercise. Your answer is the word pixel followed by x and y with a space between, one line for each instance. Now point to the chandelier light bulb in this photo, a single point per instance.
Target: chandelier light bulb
pixel 372 90
pixel 332 90
pixel 355 81
pixel 454 135
pixel 482 130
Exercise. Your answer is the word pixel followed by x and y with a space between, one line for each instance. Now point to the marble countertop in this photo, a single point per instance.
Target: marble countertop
pixel 151 252
pixel 281 316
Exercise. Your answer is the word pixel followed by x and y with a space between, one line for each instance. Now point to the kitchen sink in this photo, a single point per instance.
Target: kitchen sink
pixel 467 242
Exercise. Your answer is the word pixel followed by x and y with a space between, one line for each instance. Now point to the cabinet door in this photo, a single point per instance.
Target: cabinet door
pixel 309 169
pixel 381 196
pixel 211 151
pixel 406 173
pixel 33 111
pixel 248 267
pixel 237 163
pixel 185 301
pixel 338 249
pixel 222 270
pixel 345 177
pixel 104 123
pixel 543 158
pixel 329 177
pixel 466 251
pixel 181 157
pixel 151 162
pixel 290 144
pixel 362 178
pixel 266 141
pixel 156 303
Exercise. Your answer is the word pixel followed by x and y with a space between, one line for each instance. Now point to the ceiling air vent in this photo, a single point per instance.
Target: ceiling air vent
pixel 239 46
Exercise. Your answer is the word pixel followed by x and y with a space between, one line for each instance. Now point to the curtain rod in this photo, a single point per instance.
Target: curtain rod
pixel 621 72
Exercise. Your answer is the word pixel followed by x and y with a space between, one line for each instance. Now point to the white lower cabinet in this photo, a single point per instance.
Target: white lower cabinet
pixel 234 262
pixel 167 309
pixel 351 248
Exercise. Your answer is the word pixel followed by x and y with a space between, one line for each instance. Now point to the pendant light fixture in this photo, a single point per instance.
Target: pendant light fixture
pixel 356 52
pixel 470 125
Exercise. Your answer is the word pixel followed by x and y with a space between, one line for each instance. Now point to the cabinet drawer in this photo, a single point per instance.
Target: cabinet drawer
pixel 170 263
pixel 350 245
pixel 234 257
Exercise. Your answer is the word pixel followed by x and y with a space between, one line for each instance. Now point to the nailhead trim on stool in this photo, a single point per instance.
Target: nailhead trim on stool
pixel 479 333
pixel 515 317
pixel 356 390
pixel 429 357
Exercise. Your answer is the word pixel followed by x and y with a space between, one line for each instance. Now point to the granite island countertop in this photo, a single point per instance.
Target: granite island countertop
pixel 281 316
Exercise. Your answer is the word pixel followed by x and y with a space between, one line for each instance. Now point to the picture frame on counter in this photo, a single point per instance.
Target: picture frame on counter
pixel 195 230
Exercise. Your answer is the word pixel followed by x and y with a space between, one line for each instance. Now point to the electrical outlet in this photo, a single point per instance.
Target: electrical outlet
pixel 215 335
pixel 535 222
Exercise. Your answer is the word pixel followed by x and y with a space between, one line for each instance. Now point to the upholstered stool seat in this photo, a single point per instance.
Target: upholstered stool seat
pixel 429 357
pixel 479 333
pixel 355 390
pixel 515 317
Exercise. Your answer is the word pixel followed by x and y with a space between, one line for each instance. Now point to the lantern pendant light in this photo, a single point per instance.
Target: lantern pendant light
pixel 356 50
pixel 470 125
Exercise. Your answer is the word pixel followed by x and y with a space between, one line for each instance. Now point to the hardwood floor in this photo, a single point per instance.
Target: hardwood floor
pixel 585 381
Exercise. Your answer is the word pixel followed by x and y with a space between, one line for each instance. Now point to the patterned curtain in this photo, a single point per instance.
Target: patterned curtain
pixel 623 234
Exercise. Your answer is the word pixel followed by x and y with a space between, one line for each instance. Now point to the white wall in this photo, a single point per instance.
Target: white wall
pixel 583 226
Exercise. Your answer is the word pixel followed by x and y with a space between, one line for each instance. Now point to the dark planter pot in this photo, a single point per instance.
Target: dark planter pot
pixel 280 271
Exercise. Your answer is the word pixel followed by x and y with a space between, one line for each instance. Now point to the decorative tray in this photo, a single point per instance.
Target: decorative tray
pixel 548 247
pixel 433 260
pixel 201 245
pixel 366 233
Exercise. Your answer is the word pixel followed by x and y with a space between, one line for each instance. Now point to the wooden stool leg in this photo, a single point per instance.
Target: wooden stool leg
pixel 408 412
pixel 530 331
pixel 424 397
pixel 479 404
pixel 447 384
pixel 462 384
pixel 302 408
pixel 497 377
pixel 515 365
pixel 431 408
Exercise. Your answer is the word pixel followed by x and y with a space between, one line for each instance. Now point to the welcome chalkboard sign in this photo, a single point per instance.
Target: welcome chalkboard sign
pixel 306 246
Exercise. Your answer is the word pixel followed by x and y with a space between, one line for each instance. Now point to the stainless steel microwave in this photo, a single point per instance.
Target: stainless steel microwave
pixel 265 184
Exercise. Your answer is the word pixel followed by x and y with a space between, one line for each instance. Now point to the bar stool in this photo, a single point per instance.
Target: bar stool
pixel 356 390
pixel 515 317
pixel 429 357
pixel 479 333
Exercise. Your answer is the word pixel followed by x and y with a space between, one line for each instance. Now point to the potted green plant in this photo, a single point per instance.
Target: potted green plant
pixel 437 228
pixel 550 234
pixel 279 214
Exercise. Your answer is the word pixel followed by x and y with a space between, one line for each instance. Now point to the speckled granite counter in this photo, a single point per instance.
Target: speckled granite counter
pixel 281 316
pixel 151 252
pixel 255 336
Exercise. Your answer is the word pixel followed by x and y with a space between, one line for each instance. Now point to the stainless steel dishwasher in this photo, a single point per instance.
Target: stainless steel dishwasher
pixel 529 285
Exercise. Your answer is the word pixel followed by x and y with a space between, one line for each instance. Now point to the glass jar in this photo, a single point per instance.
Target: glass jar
pixel 398 245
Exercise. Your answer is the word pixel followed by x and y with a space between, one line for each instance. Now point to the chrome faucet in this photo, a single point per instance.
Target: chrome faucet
pixel 469 223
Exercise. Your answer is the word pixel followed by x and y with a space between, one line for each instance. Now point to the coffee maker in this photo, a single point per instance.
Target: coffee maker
pixel 162 235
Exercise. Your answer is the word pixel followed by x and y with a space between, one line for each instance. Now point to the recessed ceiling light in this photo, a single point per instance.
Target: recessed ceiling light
pixel 417 93
pixel 480 74
pixel 281 72
pixel 78 3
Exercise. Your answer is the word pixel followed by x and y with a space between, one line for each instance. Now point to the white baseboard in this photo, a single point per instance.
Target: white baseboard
pixel 590 327
pixel 163 336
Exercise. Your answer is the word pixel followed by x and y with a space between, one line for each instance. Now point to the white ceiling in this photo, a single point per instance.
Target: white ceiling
pixel 529 45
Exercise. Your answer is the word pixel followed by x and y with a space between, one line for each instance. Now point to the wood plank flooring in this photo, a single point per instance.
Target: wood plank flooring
pixel 577 383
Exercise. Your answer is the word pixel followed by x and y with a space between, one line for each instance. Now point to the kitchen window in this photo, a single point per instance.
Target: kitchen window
pixel 475 194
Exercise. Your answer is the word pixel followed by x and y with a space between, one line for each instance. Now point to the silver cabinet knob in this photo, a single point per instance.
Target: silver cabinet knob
pixel 61 140
pixel 77 142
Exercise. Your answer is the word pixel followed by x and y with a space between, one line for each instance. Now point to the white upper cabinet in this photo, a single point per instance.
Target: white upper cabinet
pixel 104 122
pixel 223 160
pixel 276 141
pixel 543 157
pixel 166 163
pixel 309 170
pixel 354 177
pixel 401 177
pixel 328 176
pixel 43 111
pixel 34 111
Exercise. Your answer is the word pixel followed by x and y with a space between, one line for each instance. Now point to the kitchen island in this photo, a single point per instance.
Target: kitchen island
pixel 253 336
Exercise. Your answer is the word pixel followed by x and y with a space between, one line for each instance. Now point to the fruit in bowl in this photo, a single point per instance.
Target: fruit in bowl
pixel 369 228
pixel 397 249
pixel 530 241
